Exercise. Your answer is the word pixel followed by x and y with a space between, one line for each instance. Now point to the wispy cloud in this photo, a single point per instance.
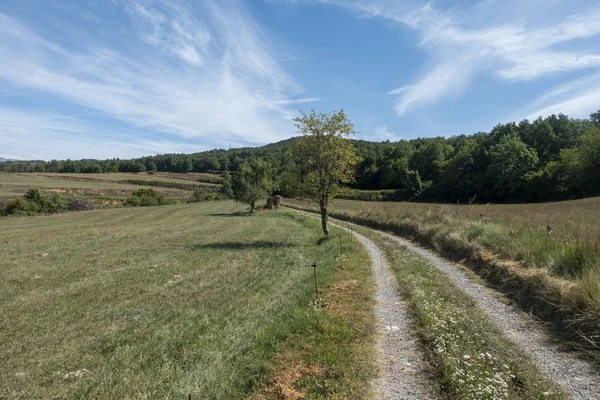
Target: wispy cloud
pixel 175 32
pixel 511 40
pixel 55 136
pixel 381 134
pixel 203 72
pixel 298 101
pixel 399 90
pixel 573 98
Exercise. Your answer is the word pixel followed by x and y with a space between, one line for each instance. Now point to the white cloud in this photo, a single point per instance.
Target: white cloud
pixel 28 134
pixel 174 31
pixel 442 80
pixel 298 101
pixel 578 99
pixel 511 40
pixel 399 90
pixel 381 134
pixel 203 72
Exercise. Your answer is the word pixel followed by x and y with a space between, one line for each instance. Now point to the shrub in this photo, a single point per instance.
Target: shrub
pixel 33 202
pixel 52 204
pixel 226 189
pixel 146 198
pixel 133 201
pixel 18 207
pixel 197 196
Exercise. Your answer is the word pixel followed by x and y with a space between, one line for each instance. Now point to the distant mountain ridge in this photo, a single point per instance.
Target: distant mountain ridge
pixel 7 159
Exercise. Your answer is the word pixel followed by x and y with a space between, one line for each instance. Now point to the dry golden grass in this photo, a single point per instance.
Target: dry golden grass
pixel 106 190
pixel 576 219
pixel 556 279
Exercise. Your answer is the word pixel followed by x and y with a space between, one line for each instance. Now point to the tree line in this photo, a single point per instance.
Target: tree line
pixel 553 158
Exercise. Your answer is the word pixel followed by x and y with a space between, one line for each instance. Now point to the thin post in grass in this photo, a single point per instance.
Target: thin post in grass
pixel 316 287
pixel 548 232
pixel 341 250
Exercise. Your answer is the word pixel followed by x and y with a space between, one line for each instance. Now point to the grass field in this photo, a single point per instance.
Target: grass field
pixel 163 302
pixel 107 190
pixel 557 278
pixel 577 220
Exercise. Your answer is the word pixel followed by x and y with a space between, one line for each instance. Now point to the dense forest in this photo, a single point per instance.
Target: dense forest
pixel 555 158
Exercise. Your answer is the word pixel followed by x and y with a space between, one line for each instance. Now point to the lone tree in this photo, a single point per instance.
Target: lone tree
pixel 253 181
pixel 324 156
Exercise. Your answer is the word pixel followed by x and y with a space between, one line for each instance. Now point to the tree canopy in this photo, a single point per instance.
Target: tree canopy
pixel 253 181
pixel 324 157
pixel 453 169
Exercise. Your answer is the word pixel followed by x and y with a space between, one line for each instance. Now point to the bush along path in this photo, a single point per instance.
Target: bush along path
pixel 480 347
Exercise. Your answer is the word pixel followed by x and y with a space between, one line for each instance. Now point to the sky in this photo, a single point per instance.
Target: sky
pixel 127 78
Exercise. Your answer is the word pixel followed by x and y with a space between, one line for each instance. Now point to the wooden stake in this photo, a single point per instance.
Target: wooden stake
pixel 316 288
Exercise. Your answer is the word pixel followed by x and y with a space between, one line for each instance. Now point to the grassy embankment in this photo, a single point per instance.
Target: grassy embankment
pixel 107 190
pixel 163 302
pixel 557 280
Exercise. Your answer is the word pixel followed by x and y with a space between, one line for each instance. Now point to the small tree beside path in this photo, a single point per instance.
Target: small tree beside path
pixel 324 156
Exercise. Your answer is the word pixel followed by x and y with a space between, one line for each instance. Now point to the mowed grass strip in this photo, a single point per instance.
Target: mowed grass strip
pixel 156 302
pixel 15 185
pixel 473 358
pixel 333 357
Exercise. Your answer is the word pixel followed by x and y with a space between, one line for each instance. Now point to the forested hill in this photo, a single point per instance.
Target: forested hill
pixel 555 158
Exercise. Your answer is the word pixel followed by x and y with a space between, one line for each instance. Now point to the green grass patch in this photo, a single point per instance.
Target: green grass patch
pixel 163 302
pixel 333 357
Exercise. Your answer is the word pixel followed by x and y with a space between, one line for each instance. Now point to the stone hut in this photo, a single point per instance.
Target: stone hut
pixel 273 202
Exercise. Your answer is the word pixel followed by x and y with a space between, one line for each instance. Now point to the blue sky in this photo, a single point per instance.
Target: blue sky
pixel 126 78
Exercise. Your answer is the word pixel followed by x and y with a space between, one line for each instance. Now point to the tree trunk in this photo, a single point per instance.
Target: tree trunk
pixel 251 207
pixel 324 218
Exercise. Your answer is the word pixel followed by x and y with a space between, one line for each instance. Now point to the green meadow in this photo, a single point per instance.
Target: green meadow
pixel 165 302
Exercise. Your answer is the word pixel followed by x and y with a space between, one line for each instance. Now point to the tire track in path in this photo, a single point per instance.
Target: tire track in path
pixel 577 377
pixel 401 363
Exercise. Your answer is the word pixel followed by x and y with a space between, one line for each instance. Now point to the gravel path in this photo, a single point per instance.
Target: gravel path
pixel 402 366
pixel 401 362
pixel 578 377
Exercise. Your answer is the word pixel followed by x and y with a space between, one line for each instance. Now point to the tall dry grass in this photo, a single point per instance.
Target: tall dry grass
pixel 556 275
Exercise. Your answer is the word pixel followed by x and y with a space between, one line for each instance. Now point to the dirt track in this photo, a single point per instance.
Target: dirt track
pixel 398 347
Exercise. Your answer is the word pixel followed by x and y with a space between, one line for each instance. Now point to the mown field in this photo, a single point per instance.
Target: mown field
pixel 107 190
pixel 163 302
pixel 555 275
